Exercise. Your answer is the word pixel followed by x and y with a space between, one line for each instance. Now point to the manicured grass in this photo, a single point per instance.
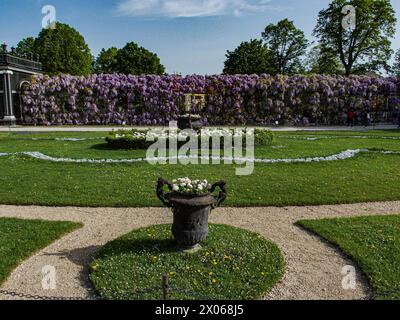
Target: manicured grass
pixel 284 146
pixel 19 239
pixel 373 243
pixel 369 177
pixel 233 264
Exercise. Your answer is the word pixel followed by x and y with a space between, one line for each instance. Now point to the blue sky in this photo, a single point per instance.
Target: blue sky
pixel 189 36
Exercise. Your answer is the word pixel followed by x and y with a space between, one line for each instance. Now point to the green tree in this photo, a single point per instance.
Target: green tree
pixel 286 44
pixel 396 65
pixel 251 57
pixel 321 60
pixel 136 60
pixel 26 48
pixel 63 50
pixel 106 61
pixel 365 47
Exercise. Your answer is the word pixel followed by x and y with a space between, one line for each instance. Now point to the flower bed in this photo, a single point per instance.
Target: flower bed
pixel 135 139
pixel 156 100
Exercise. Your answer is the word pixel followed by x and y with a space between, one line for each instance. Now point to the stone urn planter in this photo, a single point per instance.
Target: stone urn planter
pixel 191 212
pixel 191 121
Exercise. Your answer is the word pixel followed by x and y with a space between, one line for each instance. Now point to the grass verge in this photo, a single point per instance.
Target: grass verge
pixel 372 242
pixel 19 239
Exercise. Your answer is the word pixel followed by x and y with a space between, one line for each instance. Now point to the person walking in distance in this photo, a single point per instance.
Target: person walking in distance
pixel 367 118
pixel 398 118
pixel 350 118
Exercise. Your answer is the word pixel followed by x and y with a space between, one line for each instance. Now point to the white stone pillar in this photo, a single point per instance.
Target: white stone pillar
pixel 9 117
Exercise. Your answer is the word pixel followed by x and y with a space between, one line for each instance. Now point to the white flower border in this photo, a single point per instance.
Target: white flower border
pixel 315 138
pixel 347 154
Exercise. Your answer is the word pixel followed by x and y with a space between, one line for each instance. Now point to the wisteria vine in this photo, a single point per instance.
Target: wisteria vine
pixel 230 100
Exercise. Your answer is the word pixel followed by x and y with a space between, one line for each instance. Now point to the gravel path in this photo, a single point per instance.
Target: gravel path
pixel 313 267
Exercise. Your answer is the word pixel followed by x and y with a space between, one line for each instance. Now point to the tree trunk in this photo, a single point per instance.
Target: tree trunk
pixel 348 70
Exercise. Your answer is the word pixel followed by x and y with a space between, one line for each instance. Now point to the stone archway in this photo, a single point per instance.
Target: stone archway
pixel 18 105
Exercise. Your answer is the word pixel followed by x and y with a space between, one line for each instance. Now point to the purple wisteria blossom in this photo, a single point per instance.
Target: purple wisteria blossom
pixel 246 99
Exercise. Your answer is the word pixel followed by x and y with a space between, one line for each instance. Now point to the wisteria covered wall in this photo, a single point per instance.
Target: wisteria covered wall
pixel 155 100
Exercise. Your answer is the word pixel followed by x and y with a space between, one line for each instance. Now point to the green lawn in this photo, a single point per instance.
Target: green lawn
pixel 373 243
pixel 284 147
pixel 19 239
pixel 233 264
pixel 368 177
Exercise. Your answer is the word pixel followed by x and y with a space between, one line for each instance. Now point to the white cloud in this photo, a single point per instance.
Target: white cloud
pixel 191 8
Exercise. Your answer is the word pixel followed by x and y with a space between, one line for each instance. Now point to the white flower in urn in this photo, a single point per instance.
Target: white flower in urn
pixel 188 186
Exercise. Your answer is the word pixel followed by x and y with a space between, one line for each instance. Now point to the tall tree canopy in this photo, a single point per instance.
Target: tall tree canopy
pixel 286 44
pixel 63 50
pixel 26 48
pixel 366 47
pixel 396 65
pixel 322 60
pixel 252 57
pixel 106 61
pixel 136 60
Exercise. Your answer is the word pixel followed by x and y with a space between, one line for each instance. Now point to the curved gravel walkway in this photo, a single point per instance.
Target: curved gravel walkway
pixel 313 267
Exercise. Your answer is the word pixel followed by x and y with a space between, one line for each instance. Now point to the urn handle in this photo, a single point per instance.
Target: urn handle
pixel 222 194
pixel 160 191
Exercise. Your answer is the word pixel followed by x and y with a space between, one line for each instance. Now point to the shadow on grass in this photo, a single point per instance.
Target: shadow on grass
pixel 150 246
pixel 391 130
pixel 107 147
pixel 102 146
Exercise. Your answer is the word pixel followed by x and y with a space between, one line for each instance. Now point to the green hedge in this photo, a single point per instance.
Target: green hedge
pixel 127 139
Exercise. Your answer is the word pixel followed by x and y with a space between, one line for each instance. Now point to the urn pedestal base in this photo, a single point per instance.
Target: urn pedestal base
pixel 191 213
pixel 189 250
